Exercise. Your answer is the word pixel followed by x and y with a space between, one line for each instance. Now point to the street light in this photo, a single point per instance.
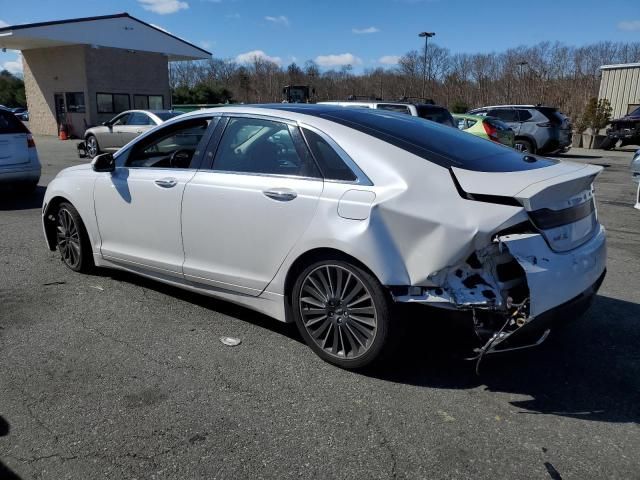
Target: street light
pixel 427 36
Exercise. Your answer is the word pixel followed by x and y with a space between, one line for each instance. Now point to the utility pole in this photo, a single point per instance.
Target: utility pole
pixel 427 36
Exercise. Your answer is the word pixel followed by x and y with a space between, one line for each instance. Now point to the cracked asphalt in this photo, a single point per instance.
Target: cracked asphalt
pixel 113 376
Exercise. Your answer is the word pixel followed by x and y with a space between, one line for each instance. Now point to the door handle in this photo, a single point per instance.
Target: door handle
pixel 166 182
pixel 281 194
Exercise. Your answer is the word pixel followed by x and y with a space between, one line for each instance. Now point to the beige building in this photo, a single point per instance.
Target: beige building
pixel 81 72
pixel 620 84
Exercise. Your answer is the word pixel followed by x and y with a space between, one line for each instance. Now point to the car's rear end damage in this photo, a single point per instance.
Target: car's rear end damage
pixel 531 273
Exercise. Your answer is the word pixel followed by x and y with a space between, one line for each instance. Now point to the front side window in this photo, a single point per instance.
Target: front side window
pixel 138 118
pixel 121 120
pixel 171 147
pixel 256 146
pixel 330 163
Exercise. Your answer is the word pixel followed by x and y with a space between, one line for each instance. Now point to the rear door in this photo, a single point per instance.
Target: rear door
pixel 242 215
pixel 14 149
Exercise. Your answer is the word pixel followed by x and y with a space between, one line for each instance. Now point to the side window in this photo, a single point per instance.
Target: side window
pixel 331 165
pixel 394 108
pixel 170 147
pixel 138 118
pixel 256 146
pixel 471 123
pixel 121 120
pixel 504 114
pixel 461 124
pixel 525 115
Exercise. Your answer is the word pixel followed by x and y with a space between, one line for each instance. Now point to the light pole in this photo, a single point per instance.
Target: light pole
pixel 427 36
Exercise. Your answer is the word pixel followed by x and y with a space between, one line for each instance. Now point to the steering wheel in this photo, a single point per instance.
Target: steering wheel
pixel 180 158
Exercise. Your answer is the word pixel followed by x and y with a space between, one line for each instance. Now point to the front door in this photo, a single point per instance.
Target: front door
pixel 138 207
pixel 242 216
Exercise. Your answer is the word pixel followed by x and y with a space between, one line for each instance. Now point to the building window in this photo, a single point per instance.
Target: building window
pixel 75 102
pixel 112 102
pixel 146 102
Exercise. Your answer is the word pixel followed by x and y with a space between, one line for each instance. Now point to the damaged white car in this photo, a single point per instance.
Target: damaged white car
pixel 329 217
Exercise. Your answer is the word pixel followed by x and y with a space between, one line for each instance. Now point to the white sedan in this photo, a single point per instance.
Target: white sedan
pixel 329 217
pixel 19 164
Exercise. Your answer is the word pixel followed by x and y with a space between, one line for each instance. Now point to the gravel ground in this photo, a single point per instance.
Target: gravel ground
pixel 113 376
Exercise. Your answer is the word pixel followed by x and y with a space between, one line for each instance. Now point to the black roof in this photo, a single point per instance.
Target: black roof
pixel 101 17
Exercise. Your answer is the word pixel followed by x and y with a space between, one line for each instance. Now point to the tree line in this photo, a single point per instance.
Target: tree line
pixel 547 73
pixel 11 90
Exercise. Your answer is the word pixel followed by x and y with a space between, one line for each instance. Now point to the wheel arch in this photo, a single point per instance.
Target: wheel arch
pixel 529 138
pixel 49 222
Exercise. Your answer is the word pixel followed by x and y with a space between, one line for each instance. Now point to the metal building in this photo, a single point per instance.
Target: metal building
pixel 620 84
pixel 82 71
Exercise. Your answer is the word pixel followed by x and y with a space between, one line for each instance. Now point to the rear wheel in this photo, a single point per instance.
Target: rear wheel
pixel 92 146
pixel 72 239
pixel 524 145
pixel 343 313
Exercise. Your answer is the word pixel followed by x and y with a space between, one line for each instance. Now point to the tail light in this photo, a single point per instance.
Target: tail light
pixel 30 142
pixel 491 130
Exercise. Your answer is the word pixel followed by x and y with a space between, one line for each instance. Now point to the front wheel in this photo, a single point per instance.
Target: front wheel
pixel 343 313
pixel 91 144
pixel 72 239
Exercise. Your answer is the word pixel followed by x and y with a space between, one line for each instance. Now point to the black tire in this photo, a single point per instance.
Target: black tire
pixel 72 240
pixel 91 146
pixel 608 143
pixel 524 145
pixel 328 316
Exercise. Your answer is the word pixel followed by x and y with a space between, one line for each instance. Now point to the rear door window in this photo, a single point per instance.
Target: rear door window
pixel 139 118
pixel 524 115
pixel 330 163
pixel 504 114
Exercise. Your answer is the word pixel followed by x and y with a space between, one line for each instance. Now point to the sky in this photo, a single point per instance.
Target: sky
pixel 365 34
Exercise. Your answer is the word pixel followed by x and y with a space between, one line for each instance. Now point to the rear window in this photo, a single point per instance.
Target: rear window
pixel 554 116
pixel 9 123
pixel 435 114
pixel 444 146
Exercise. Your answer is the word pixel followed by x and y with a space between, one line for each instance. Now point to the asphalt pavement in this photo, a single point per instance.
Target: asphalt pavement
pixel 112 376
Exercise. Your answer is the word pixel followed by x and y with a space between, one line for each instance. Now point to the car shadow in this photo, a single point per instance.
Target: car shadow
pixel 5 472
pixel 588 369
pixel 11 199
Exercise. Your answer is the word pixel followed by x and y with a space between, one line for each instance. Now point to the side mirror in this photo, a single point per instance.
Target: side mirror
pixel 103 163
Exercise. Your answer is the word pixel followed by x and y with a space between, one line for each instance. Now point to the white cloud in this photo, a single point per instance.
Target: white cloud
pixel 3 24
pixel 163 7
pixel 13 66
pixel 338 60
pixel 280 20
pixel 389 59
pixel 629 25
pixel 249 57
pixel 365 30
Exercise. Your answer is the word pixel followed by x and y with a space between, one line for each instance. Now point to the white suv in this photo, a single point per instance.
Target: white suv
pixel 428 111
pixel 19 164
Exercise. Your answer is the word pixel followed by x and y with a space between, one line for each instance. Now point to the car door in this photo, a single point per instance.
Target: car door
pixel 508 116
pixel 138 206
pixel 137 124
pixel 243 214
pixel 108 135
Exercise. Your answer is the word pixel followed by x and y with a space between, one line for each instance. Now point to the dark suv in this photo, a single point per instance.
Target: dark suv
pixel 537 129
pixel 625 129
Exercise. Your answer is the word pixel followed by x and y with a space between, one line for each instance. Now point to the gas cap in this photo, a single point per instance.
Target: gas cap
pixel 356 204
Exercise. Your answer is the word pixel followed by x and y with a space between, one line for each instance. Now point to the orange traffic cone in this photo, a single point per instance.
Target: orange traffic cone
pixel 62 132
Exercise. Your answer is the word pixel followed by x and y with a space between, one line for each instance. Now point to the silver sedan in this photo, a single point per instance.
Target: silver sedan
pixel 331 218
pixel 121 129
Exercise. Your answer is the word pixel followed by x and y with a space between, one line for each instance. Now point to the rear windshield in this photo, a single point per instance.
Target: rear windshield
pixel 435 114
pixel 9 123
pixel 635 113
pixel 445 146
pixel 554 116
pixel 164 116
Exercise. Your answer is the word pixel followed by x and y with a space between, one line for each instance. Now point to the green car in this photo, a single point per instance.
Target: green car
pixel 490 128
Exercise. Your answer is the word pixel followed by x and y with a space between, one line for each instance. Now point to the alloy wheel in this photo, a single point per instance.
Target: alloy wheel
pixel 68 238
pixel 92 146
pixel 338 311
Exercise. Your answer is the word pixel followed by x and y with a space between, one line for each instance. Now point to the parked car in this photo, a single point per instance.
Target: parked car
pixel 21 113
pixel 428 111
pixel 328 216
pixel 19 164
pixel 635 174
pixel 121 129
pixel 537 129
pixel 488 128
pixel 625 130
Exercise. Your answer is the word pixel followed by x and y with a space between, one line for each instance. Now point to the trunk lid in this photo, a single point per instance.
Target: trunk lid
pixel 13 149
pixel 558 198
